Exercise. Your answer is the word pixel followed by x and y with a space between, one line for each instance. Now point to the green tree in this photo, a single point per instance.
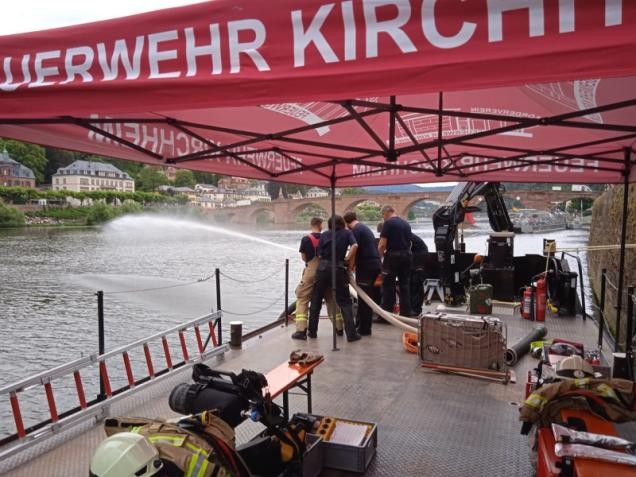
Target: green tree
pixel 10 216
pixel 353 191
pixel 411 215
pixel 28 155
pixel 149 179
pixel 56 158
pixel 184 178
pixel 99 213
pixel 205 178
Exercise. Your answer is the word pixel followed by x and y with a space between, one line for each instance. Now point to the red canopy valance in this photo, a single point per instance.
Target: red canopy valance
pixel 366 92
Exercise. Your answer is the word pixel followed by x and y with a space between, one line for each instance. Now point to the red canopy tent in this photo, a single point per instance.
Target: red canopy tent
pixel 353 92
pixel 363 92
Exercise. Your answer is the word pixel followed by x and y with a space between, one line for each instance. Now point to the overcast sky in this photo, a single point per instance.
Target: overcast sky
pixel 31 15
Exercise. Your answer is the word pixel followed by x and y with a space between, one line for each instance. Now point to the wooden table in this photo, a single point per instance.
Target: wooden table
pixel 288 376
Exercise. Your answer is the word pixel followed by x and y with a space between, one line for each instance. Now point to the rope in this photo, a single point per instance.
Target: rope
pixel 607 280
pixel 251 281
pixel 594 248
pixel 140 290
pixel 257 311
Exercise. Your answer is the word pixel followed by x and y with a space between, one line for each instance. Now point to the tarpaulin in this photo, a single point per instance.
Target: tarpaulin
pixel 360 92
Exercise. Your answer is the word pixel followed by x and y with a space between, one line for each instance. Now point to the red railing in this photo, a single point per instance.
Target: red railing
pixel 106 366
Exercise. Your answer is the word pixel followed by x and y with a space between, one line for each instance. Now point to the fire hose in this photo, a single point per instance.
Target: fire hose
pixel 522 346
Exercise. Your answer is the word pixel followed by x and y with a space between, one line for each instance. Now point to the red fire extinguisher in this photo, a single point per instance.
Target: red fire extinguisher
pixel 541 299
pixel 526 303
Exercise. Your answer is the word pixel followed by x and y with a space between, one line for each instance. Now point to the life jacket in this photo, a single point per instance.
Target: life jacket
pixel 207 453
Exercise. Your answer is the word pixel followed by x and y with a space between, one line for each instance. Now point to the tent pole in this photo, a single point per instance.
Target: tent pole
pixel 438 173
pixel 333 256
pixel 621 261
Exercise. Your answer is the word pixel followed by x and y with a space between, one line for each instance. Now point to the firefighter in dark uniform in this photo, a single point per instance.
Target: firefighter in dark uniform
pixel 367 266
pixel 395 248
pixel 344 240
pixel 418 266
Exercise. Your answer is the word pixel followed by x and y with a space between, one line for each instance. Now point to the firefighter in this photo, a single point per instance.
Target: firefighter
pixel 308 245
pixel 367 266
pixel 344 240
pixel 418 272
pixel 395 248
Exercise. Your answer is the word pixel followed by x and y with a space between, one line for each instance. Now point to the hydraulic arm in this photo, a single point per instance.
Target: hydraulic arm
pixel 447 218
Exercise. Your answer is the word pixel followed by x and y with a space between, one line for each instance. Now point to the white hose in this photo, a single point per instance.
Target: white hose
pixel 397 320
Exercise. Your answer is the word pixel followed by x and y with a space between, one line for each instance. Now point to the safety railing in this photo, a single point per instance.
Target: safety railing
pixel 107 367
pixel 283 317
pixel 603 321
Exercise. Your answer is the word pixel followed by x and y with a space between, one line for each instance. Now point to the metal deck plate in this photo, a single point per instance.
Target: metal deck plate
pixel 429 424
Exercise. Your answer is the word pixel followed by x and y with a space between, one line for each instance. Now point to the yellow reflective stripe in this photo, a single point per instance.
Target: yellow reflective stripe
pixel 535 400
pixel 196 449
pixel 301 317
pixel 581 382
pixel 204 467
pixel 166 439
pixel 199 458
pixel 606 391
pixel 198 466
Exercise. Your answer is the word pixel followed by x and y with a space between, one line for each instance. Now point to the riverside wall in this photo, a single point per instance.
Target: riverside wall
pixel 605 229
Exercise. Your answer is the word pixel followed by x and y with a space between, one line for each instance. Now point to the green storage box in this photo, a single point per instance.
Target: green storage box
pixel 481 299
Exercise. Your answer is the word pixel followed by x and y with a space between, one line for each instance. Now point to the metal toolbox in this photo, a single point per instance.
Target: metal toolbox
pixel 463 341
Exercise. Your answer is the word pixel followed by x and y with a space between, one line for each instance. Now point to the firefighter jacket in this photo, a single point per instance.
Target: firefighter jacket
pixel 610 399
pixel 205 453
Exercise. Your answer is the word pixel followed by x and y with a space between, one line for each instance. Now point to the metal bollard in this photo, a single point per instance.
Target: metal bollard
pixel 236 334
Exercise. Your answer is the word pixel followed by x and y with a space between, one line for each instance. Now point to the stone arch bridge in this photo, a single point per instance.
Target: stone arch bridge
pixel 285 211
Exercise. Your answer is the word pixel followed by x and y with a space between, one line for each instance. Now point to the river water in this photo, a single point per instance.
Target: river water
pixel 149 268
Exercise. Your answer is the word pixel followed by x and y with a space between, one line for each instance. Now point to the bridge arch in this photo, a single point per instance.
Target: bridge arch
pixel 262 215
pixel 357 201
pixel 404 212
pixel 296 211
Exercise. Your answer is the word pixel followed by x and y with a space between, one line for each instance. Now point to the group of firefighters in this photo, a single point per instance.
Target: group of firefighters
pixel 399 255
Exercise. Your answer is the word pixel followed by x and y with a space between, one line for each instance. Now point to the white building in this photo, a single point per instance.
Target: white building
pixel 315 192
pixel 86 176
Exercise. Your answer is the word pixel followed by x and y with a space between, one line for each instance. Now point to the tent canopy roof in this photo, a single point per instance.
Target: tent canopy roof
pixel 360 92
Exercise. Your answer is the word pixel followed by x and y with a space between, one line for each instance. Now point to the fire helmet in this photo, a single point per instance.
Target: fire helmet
pixel 125 454
pixel 574 367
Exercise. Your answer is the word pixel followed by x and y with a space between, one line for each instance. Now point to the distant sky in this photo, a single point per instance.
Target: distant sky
pixel 437 184
pixel 31 15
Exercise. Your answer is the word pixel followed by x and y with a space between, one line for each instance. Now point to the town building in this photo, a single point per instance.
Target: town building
pixel 316 192
pixel 12 173
pixel 86 176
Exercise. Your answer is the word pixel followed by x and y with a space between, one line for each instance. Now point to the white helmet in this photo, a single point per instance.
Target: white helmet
pixel 125 454
pixel 574 367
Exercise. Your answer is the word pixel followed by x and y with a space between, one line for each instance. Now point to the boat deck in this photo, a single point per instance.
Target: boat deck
pixel 429 424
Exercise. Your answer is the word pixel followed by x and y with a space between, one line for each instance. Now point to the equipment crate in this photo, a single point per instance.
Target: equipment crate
pixel 313 458
pixel 351 458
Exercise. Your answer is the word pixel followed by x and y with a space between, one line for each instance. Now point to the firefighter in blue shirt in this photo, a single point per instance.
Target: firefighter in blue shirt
pixel 367 266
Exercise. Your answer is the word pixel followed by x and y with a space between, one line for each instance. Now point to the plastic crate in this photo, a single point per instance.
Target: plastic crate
pixel 313 458
pixel 349 457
